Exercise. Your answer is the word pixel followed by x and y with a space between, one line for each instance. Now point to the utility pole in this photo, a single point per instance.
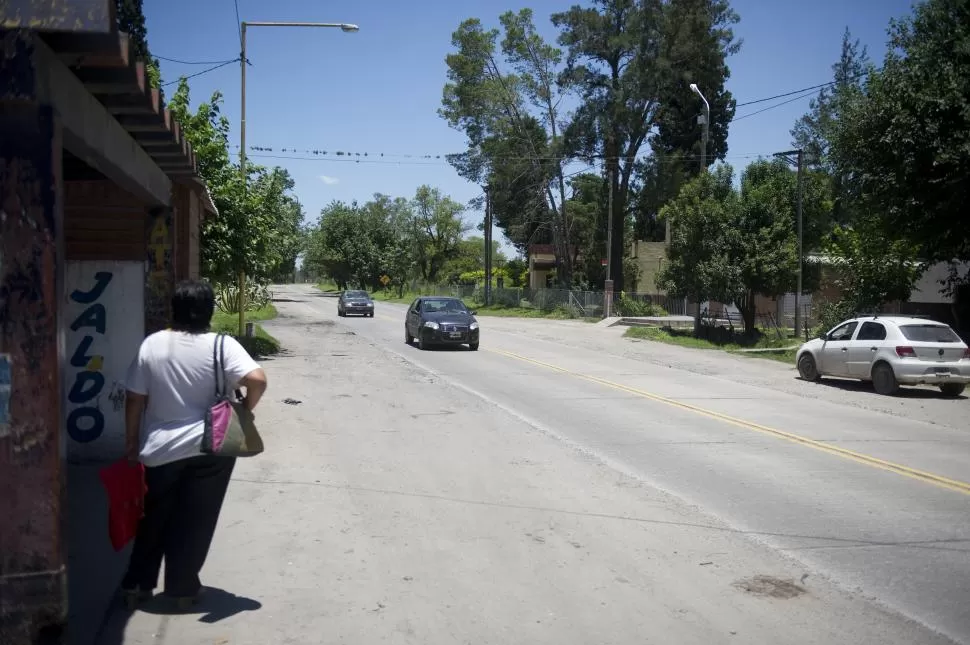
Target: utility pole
pixel 799 155
pixel 608 285
pixel 242 167
pixel 609 225
pixel 488 246
pixel 346 27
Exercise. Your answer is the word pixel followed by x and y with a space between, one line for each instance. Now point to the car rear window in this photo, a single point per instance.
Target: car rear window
pixel 929 333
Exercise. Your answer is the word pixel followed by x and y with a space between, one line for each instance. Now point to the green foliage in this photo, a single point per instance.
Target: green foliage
pixel 437 230
pixel 830 314
pixel 505 97
pixel 904 139
pixel 227 297
pixel 870 269
pixel 131 20
pixel 699 263
pixel 394 237
pixel 470 258
pixel 632 64
pixel 629 306
pixel 259 227
pixel 814 132
pixel 732 245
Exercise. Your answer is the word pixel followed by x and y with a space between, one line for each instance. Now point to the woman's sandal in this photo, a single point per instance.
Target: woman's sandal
pixel 134 597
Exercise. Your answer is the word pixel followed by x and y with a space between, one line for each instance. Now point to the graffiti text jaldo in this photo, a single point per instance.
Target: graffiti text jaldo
pixel 86 422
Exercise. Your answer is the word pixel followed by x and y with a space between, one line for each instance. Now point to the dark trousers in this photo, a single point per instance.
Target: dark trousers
pixel 181 511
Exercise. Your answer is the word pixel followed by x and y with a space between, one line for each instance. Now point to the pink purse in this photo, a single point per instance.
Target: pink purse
pixel 230 429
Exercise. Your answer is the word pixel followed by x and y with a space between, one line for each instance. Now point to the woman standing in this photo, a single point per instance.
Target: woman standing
pixel 170 386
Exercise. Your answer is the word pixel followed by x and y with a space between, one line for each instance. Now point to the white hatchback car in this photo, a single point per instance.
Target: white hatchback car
pixel 889 351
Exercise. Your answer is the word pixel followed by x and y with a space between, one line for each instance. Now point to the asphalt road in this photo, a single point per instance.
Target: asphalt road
pixel 875 502
pixel 555 487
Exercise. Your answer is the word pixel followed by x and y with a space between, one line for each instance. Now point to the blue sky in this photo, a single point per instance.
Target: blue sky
pixel 378 90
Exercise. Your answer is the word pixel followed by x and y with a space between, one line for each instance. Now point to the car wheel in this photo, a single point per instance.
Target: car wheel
pixel 408 339
pixel 807 368
pixel 473 347
pixel 884 380
pixel 952 389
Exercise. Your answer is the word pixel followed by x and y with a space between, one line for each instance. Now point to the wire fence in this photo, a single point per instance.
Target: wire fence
pixel 570 302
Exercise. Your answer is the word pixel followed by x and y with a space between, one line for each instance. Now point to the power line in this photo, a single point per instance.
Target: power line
pixel 772 107
pixel 194 62
pixel 781 96
pixel 420 161
pixel 205 71
pixel 238 23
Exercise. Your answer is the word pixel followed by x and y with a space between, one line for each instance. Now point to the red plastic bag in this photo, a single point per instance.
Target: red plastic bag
pixel 125 485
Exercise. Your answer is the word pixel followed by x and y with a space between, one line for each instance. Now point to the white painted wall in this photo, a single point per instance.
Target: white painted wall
pixel 104 324
pixel 928 288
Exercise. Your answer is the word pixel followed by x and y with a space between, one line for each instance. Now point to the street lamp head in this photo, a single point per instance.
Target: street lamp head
pixel 693 88
pixel 349 27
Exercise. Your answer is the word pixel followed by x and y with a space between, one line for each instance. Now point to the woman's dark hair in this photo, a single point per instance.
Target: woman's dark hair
pixel 193 304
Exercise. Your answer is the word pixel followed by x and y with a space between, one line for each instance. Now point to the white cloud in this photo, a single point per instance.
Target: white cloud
pixel 330 181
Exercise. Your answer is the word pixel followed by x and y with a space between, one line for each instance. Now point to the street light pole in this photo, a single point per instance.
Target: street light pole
pixel 799 161
pixel 243 176
pixel 705 123
pixel 705 120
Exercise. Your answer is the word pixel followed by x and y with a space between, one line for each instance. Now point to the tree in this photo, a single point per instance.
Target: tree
pixel 699 264
pixel 131 20
pixel 903 142
pixel 697 40
pixel 632 62
pixel 437 230
pixel 813 132
pixel 588 204
pixel 871 269
pixel 258 228
pixel 342 247
pixel 515 99
pixel 763 245
pixel 396 239
pixel 470 258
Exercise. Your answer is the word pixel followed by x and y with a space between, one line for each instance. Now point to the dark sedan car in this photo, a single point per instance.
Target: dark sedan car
pixel 439 320
pixel 355 302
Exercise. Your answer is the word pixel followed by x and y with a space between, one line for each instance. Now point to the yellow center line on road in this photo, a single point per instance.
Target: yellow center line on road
pixel 899 469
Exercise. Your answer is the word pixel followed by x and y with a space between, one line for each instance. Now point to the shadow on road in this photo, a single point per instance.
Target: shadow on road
pixel 865 387
pixel 214 605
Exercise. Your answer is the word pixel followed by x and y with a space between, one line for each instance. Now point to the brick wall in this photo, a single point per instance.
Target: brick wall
pixel 102 222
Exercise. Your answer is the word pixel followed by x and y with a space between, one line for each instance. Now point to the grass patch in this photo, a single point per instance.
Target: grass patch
pixel 390 296
pixel 260 345
pixel 734 345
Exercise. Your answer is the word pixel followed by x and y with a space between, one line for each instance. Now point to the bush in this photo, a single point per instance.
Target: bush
pixel 627 306
pixel 227 297
pixel 566 311
pixel 831 314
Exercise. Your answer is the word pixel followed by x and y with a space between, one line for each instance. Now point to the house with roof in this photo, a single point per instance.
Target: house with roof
pixel 100 209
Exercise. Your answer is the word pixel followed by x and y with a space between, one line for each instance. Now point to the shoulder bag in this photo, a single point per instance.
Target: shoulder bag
pixel 230 429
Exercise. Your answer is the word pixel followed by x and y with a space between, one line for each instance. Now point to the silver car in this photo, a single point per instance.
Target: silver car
pixel 890 351
pixel 355 302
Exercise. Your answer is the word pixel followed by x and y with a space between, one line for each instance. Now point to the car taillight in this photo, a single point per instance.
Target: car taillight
pixel 905 352
pixel 966 353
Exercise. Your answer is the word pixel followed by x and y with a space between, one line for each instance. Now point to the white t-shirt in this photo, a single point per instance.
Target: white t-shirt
pixel 175 371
